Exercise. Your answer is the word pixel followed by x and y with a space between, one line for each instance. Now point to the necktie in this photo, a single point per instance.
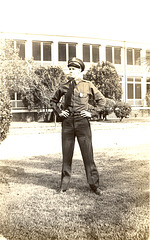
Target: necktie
pixel 69 93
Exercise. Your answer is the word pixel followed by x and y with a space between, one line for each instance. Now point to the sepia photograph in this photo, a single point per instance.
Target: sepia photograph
pixel 74 120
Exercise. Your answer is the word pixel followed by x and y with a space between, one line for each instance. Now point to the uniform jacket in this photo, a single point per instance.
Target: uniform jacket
pixel 76 96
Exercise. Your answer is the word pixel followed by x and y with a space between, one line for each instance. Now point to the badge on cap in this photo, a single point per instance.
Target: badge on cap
pixel 80 94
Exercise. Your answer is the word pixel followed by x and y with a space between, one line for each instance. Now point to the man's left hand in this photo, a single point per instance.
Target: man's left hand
pixel 85 113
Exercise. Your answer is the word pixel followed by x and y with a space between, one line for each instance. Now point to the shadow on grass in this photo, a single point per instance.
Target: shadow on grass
pixel 39 170
pixel 118 214
pixel 44 171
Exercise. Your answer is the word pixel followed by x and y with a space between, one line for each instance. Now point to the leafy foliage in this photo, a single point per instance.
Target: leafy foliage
pixel 102 113
pixel 5 106
pixel 107 109
pixel 41 91
pixel 5 112
pixel 148 98
pixel 145 61
pixel 122 110
pixel 105 78
pixel 19 75
pixel 35 85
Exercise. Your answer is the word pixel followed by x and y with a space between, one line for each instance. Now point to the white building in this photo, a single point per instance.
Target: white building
pixel 55 50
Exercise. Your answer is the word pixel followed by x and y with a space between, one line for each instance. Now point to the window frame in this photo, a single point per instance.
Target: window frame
pixel 67 44
pixel 90 45
pixel 42 50
pixel 113 54
pixel 134 82
pixel 134 61
pixel 148 57
pixel 14 45
pixel 21 42
pixel 147 85
pixel 16 101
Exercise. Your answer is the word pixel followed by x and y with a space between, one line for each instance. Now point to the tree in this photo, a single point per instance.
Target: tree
pixel 19 75
pixel 5 111
pixel 145 60
pixel 49 79
pixel 105 78
pixel 35 85
pixel 16 74
pixel 148 98
pixel 5 106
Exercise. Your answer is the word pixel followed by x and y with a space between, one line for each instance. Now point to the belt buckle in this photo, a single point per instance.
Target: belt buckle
pixel 77 114
pixel 74 113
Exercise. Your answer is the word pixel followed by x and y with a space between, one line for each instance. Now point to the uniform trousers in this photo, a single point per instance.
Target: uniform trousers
pixel 78 127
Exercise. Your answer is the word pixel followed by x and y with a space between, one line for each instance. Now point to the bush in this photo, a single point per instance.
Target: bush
pixel 148 99
pixel 5 112
pixel 122 110
pixel 107 109
pixel 46 82
pixel 101 113
pixel 105 77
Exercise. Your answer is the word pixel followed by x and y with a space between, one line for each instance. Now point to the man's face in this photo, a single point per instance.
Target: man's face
pixel 74 72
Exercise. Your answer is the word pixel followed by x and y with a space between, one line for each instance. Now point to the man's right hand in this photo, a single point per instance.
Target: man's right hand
pixel 64 113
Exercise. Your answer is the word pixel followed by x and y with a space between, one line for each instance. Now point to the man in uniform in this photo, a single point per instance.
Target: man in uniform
pixel 75 123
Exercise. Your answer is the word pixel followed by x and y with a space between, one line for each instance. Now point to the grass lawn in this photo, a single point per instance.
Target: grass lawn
pixel 31 208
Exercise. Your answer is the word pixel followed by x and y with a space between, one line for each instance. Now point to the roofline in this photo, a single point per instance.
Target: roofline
pixel 103 39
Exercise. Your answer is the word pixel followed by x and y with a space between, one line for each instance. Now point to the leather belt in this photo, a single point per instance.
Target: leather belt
pixel 75 114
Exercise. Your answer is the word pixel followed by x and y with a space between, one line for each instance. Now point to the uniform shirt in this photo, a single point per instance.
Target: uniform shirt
pixel 76 98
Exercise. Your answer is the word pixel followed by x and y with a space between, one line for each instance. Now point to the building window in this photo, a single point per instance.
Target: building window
pixel 148 85
pixel 16 101
pixel 15 96
pixel 46 51
pixel 133 56
pixel 91 53
pixel 36 51
pixel 41 51
pixel 95 53
pixel 113 54
pixel 134 88
pixel 86 53
pixel 109 54
pixel 62 51
pixel 117 55
pixel 130 91
pixel 12 95
pixel 72 50
pixel 66 51
pixel 137 57
pixel 19 45
pixel 129 56
pixel 148 57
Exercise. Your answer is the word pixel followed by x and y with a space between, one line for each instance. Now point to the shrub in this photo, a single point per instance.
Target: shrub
pixel 107 109
pixel 48 80
pixel 5 112
pixel 148 99
pixel 105 77
pixel 122 110
pixel 101 113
